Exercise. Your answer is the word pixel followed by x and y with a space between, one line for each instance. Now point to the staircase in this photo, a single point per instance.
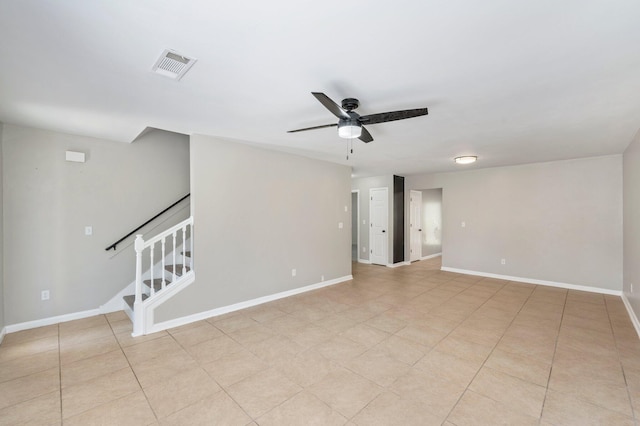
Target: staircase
pixel 168 262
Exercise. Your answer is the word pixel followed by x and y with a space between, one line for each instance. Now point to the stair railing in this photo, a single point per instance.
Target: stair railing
pixel 183 231
pixel 114 245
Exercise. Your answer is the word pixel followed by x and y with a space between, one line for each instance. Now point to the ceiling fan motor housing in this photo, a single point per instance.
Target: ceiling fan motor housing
pixel 350 104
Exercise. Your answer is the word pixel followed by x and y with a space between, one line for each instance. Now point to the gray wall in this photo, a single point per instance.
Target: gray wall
pixel 48 201
pixel 2 322
pixel 631 161
pixel 558 221
pixel 259 214
pixel 431 221
pixel 364 185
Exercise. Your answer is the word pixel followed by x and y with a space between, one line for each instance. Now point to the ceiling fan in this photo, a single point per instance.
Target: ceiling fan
pixel 350 123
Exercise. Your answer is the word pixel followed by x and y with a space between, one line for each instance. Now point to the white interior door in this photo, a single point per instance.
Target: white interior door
pixel 415 225
pixel 379 220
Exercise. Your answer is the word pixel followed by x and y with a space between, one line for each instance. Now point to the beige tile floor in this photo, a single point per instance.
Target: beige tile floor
pixel 403 346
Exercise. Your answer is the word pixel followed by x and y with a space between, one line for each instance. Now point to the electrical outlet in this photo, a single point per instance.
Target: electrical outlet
pixel 463 224
pixel 346 209
pixel 340 225
pixel 293 272
pixel 503 261
pixel 88 230
pixel 44 295
pixel 631 285
pixel 321 278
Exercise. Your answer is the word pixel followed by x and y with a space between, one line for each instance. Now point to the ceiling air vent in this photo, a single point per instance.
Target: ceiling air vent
pixel 172 64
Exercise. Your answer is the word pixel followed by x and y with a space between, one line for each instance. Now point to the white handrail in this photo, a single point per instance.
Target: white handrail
pixel 168 232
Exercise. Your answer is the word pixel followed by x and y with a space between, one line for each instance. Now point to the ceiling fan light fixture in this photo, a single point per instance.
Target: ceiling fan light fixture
pixel 466 159
pixel 349 129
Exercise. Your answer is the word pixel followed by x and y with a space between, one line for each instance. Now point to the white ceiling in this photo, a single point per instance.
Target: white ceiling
pixel 512 81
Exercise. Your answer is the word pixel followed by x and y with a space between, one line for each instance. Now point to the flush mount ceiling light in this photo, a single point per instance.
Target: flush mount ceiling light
pixel 467 159
pixel 349 129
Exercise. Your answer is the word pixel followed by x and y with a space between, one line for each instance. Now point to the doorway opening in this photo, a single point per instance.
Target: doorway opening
pixel 431 223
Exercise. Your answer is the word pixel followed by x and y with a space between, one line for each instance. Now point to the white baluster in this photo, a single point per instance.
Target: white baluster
pixel 139 246
pixel 174 256
pixel 184 249
pixel 138 315
pixel 191 249
pixel 164 283
pixel 152 291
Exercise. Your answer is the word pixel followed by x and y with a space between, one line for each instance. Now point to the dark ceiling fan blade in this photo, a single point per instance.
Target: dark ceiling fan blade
pixel 313 128
pixel 330 105
pixel 383 117
pixel 365 136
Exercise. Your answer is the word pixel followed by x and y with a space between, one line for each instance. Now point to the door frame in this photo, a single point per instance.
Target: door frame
pixel 386 188
pixel 414 256
pixel 357 210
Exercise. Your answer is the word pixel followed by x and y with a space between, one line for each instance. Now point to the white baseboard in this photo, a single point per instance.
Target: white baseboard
pixel 243 305
pixel 2 333
pixel 632 314
pixel 535 281
pixel 51 320
pixel 365 261
pixel 431 256
pixel 395 265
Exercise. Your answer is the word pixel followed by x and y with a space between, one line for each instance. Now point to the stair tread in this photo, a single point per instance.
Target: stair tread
pixel 131 298
pixel 178 268
pixel 157 283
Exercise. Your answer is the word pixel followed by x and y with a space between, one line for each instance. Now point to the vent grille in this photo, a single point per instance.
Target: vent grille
pixel 173 64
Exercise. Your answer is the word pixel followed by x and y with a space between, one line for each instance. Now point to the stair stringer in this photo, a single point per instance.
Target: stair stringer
pixel 149 306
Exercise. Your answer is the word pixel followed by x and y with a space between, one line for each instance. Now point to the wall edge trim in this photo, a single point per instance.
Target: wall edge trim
pixel 52 320
pixel 431 256
pixel 395 265
pixel 632 314
pixel 243 305
pixel 535 281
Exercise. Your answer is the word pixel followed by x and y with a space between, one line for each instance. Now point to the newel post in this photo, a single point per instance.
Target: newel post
pixel 139 246
pixel 138 314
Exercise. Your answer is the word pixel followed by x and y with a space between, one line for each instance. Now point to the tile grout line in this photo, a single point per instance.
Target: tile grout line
pixel 555 350
pixel 121 369
pixel 443 284
pixel 492 349
pixel 132 370
pixel 624 374
pixel 222 389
